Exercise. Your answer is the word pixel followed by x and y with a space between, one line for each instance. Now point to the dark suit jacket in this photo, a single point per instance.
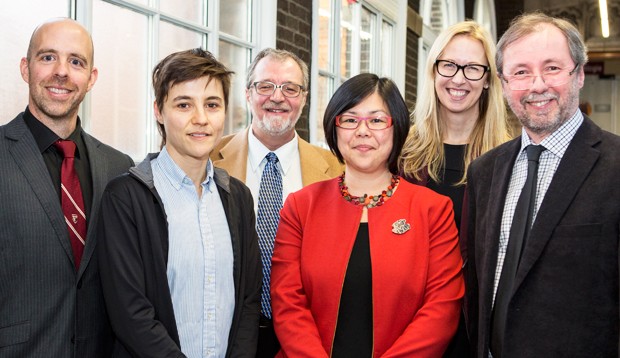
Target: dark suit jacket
pixel 565 299
pixel 46 308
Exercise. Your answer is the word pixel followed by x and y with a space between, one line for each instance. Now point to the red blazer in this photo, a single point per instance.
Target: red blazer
pixel 416 276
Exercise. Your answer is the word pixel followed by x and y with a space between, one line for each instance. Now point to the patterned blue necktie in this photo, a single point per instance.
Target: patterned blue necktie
pixel 269 205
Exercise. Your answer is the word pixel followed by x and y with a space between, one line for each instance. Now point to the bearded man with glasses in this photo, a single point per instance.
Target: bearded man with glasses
pixel 276 92
pixel 544 223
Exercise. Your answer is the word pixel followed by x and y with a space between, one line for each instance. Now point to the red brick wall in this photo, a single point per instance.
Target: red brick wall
pixel 294 33
pixel 411 65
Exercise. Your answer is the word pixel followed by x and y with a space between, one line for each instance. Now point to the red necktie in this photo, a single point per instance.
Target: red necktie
pixel 72 200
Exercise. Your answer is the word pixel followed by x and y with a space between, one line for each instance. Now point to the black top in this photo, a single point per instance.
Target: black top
pixel 451 173
pixel 353 337
pixel 53 159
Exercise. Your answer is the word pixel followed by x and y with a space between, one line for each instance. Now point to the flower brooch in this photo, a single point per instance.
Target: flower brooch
pixel 400 226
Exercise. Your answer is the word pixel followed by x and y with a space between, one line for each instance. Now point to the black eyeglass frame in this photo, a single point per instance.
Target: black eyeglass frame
pixel 280 86
pixel 462 69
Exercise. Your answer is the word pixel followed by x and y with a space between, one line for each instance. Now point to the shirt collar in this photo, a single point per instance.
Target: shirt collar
pixel 45 137
pixel 176 176
pixel 257 152
pixel 558 141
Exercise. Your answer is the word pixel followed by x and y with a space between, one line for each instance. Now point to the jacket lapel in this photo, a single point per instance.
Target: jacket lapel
pixel 235 156
pixel 313 166
pixel 500 174
pixel 30 162
pixel 98 168
pixel 573 170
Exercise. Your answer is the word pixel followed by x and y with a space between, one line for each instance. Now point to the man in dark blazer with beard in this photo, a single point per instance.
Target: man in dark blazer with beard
pixel 555 293
pixel 51 303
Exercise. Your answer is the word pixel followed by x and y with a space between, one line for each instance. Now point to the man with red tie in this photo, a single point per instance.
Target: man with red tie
pixel 53 174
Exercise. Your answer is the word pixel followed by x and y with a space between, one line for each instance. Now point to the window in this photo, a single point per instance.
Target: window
pixel 353 37
pixel 19 20
pixel 142 35
pixel 130 37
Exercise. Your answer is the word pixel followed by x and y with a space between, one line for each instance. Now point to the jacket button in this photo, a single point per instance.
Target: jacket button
pixel 79 285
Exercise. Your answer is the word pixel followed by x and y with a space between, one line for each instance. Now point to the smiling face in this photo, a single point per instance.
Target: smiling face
pixel 193 116
pixel 542 109
pixel 458 95
pixel 59 70
pixel 276 115
pixel 364 150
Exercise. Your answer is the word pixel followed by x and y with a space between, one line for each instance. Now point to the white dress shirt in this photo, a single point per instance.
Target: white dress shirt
pixel 289 165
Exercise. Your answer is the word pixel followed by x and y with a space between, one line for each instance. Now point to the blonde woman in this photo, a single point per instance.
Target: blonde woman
pixel 459 116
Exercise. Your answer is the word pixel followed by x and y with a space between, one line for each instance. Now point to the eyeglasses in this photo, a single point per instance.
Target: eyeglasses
pixel 552 76
pixel 472 72
pixel 375 123
pixel 266 88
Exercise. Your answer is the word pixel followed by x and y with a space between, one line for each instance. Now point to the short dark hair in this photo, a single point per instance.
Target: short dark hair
pixel 354 91
pixel 185 66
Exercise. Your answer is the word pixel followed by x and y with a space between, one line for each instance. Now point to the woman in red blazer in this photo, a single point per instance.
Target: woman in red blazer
pixel 366 264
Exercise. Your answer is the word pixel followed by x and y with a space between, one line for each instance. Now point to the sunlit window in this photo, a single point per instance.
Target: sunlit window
pixel 130 37
pixel 353 37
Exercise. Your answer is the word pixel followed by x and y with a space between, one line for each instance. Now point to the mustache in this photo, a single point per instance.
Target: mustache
pixel 534 97
pixel 275 106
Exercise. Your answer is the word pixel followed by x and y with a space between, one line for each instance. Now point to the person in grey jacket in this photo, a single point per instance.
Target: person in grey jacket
pixel 178 248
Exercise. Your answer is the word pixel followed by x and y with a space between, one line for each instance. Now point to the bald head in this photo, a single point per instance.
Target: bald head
pixel 64 24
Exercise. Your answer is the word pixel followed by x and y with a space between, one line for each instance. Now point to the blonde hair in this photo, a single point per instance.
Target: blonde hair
pixel 423 150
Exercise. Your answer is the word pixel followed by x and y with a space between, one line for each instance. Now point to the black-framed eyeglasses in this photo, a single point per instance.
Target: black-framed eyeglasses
pixel 375 123
pixel 552 76
pixel 472 72
pixel 289 89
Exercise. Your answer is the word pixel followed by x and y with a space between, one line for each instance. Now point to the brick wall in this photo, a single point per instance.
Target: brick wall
pixel 294 33
pixel 411 62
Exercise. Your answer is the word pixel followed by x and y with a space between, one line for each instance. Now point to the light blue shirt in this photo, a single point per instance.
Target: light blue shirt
pixel 200 259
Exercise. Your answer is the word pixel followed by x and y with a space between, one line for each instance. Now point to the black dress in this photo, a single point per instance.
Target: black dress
pixel 451 173
pixel 353 336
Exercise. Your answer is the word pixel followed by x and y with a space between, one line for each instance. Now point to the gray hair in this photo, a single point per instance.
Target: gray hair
pixel 281 55
pixel 526 24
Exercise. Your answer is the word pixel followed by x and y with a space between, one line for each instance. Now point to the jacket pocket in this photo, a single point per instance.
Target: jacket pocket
pixel 14 334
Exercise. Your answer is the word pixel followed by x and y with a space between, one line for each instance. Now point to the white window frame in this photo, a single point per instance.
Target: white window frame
pixel 392 11
pixel 263 35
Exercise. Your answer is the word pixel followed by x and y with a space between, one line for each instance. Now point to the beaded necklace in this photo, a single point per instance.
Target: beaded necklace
pixel 369 201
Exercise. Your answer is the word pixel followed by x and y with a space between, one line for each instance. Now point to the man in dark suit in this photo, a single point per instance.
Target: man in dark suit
pixel 51 303
pixel 552 292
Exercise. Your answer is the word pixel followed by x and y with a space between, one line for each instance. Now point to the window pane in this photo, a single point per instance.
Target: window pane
pixel 119 98
pixel 367 43
pixel 236 58
pixel 17 28
pixel 387 48
pixel 346 27
pixel 190 10
pixel 240 12
pixel 325 22
pixel 173 38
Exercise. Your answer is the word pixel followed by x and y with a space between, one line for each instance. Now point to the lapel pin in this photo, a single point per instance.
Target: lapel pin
pixel 400 226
